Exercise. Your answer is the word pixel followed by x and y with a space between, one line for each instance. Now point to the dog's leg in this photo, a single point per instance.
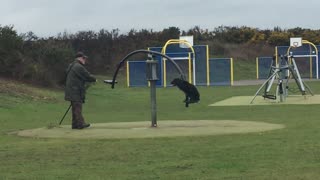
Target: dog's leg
pixel 187 101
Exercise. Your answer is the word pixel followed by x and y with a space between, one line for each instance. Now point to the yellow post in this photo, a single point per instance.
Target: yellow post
pixel 189 64
pixel 231 69
pixel 164 73
pixel 257 67
pixel 310 61
pixel 276 54
pixel 128 77
pixel 208 68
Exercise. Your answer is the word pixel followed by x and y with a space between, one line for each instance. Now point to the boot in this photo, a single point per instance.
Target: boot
pixel 81 127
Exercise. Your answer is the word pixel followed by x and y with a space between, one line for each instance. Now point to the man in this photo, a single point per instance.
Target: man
pixel 75 91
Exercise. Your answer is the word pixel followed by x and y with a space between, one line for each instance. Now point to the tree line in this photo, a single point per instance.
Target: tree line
pixel 44 60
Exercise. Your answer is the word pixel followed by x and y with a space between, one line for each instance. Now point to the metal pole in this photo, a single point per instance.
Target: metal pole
pixel 274 74
pixel 65 114
pixel 153 103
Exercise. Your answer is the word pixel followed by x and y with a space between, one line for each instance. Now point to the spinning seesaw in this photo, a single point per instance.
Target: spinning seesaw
pixel 152 76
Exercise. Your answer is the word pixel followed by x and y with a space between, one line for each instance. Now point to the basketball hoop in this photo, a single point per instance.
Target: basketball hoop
pixel 189 39
pixel 295 42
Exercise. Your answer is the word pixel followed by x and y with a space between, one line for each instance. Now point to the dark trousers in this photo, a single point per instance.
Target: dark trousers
pixel 77 118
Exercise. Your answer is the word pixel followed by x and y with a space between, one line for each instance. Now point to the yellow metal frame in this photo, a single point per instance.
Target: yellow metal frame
pixel 231 71
pixel 164 73
pixel 176 41
pixel 189 64
pixel 128 78
pixel 316 50
pixel 257 67
pixel 276 54
pixel 305 42
pixel 173 41
pixel 208 68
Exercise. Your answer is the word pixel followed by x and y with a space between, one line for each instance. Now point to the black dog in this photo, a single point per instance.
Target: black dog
pixel 191 92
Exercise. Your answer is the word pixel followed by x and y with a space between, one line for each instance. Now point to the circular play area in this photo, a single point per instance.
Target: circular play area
pixel 168 128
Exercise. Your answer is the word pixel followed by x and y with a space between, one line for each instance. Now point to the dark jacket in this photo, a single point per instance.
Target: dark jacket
pixel 75 82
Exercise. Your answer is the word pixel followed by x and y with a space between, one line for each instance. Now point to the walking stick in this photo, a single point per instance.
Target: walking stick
pixel 65 114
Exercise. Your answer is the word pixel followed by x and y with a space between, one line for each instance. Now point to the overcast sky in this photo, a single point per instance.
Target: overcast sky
pixel 49 17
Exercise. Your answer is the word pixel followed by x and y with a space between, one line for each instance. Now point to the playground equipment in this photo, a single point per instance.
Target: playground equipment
pixel 283 71
pixel 194 62
pixel 220 71
pixel 305 54
pixel 152 75
pixel 191 55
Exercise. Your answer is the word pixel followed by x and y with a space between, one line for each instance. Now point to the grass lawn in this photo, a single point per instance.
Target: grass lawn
pixel 289 153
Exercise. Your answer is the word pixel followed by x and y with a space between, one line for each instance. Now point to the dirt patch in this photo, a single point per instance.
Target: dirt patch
pixel 169 128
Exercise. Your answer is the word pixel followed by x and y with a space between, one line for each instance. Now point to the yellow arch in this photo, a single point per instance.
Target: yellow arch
pixel 305 42
pixel 163 51
pixel 176 41
pixel 316 50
